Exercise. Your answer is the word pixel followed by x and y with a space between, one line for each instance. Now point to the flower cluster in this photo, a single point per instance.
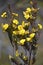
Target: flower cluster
pixel 20 32
pixel 23 34
pixel 28 14
pixel 4 14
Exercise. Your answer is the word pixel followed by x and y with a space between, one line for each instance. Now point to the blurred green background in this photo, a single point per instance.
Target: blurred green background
pixel 5 46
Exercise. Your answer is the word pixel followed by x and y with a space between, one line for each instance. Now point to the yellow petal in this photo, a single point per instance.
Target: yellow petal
pixel 25 58
pixel 5 26
pixel 27 16
pixel 40 26
pixel 20 27
pixel 27 12
pixel 34 30
pixel 14 26
pixel 22 41
pixel 15 14
pixel 17 53
pixel 15 21
pixel 15 32
pixel 24 13
pixel 23 23
pixel 31 2
pixel 28 39
pixel 35 45
pixel 22 32
pixel 27 24
pixel 4 15
pixel 27 32
pixel 10 56
pixel 35 9
pixel 32 35
pixel 28 9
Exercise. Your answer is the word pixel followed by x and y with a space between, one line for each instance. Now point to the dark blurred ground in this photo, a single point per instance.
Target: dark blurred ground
pixel 5 46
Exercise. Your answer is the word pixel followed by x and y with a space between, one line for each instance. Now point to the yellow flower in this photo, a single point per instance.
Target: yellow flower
pixel 28 9
pixel 22 41
pixel 27 24
pixel 10 57
pixel 22 32
pixel 5 26
pixel 28 39
pixel 15 21
pixel 31 17
pixel 20 27
pixel 25 58
pixel 27 12
pixel 35 9
pixel 27 16
pixel 17 53
pixel 40 26
pixel 15 14
pixel 15 32
pixel 4 15
pixel 34 30
pixel 35 45
pixel 32 35
pixel 14 26
pixel 31 2
pixel 24 13
pixel 23 23
pixel 27 32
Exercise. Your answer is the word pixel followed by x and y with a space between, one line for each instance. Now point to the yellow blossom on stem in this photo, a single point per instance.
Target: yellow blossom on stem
pixel 31 17
pixel 4 15
pixel 22 32
pixel 15 32
pixel 24 13
pixel 27 32
pixel 34 30
pixel 35 10
pixel 31 2
pixel 20 27
pixel 25 57
pixel 27 12
pixel 35 45
pixel 14 26
pixel 40 26
pixel 10 57
pixel 27 24
pixel 28 39
pixel 15 21
pixel 5 26
pixel 17 53
pixel 14 14
pixel 24 24
pixel 27 16
pixel 28 9
pixel 22 41
pixel 32 35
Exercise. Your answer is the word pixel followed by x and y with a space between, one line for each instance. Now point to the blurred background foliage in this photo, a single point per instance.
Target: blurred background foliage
pixel 5 47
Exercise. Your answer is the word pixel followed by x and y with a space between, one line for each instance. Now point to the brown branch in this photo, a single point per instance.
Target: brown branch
pixel 34 5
